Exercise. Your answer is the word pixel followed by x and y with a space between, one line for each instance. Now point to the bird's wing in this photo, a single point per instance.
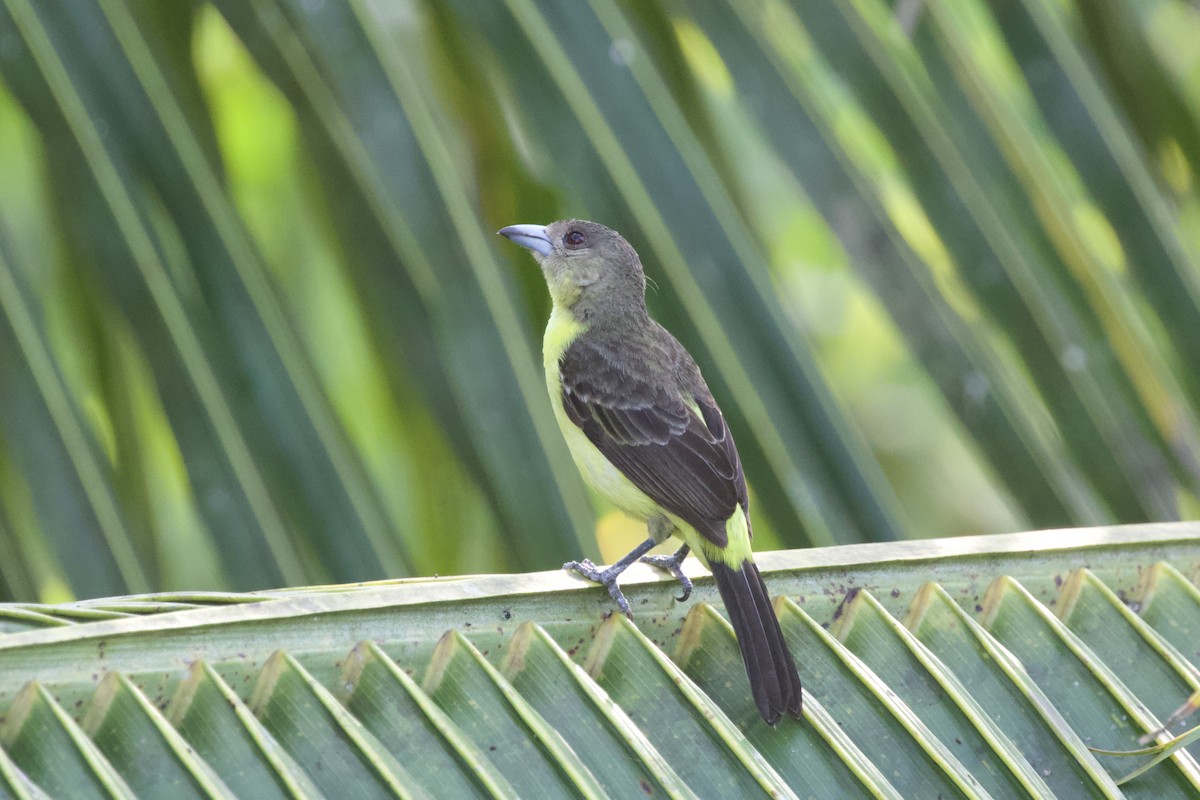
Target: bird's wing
pixel 683 457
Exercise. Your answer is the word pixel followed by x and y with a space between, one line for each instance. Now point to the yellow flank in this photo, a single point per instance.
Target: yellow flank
pixel 737 528
pixel 601 475
pixel 597 470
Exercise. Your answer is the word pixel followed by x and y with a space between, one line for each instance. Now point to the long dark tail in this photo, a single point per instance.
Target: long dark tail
pixel 769 665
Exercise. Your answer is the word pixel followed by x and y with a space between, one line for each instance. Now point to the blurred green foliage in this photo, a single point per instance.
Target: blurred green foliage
pixel 938 261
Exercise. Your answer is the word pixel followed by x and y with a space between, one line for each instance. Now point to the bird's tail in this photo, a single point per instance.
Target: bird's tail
pixel 769 665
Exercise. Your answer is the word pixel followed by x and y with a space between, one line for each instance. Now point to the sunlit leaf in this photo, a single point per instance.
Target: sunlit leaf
pixel 990 667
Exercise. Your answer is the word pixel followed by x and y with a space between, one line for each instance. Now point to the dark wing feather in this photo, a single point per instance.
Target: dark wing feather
pixel 638 417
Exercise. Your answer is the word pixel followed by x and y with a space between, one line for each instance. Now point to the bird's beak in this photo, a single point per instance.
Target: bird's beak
pixel 533 237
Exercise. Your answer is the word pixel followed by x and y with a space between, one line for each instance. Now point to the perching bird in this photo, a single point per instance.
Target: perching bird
pixel 645 432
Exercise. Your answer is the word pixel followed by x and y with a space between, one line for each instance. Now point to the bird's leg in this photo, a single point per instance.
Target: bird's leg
pixel 661 529
pixel 674 565
pixel 608 576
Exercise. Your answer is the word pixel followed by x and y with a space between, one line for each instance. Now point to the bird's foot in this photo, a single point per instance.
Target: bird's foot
pixel 607 577
pixel 674 565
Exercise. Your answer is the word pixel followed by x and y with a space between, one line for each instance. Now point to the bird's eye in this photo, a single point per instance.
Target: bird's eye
pixel 574 240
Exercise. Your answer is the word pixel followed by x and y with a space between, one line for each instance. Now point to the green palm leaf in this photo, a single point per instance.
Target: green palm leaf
pixel 273 341
pixel 989 667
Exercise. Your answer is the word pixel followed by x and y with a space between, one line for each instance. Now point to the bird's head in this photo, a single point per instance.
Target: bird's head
pixel 584 263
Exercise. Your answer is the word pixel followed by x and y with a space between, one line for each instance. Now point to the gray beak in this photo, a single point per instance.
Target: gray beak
pixel 532 237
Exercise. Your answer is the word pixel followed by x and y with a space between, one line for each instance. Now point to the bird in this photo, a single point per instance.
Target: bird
pixel 645 432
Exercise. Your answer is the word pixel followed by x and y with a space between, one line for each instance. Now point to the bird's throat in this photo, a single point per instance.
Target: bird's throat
pixel 564 289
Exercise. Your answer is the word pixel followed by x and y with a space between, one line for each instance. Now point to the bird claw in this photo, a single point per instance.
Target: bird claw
pixel 672 564
pixel 606 577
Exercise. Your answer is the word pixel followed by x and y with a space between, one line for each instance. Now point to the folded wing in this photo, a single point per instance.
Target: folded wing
pixel 671 443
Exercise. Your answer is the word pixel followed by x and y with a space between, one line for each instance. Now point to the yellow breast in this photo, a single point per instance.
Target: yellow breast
pixel 597 470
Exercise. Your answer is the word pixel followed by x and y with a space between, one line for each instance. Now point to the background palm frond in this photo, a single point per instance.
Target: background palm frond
pixel 938 260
